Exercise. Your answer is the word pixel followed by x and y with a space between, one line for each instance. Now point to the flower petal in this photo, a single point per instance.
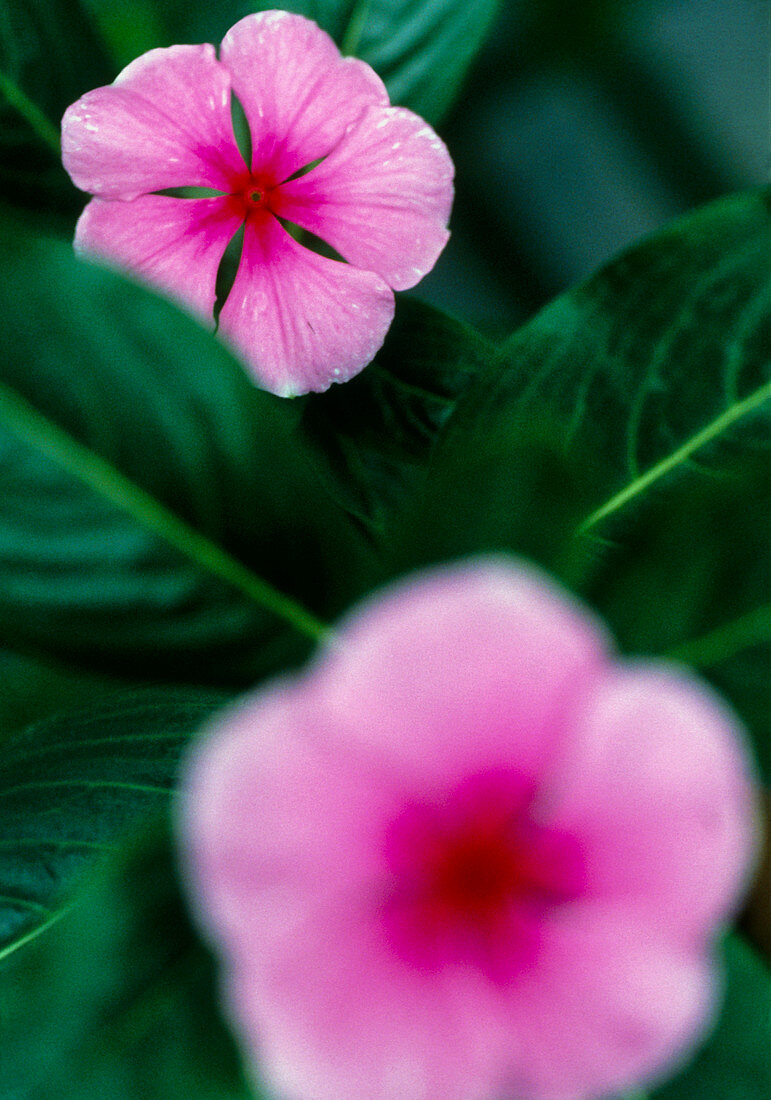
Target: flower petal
pixel 174 245
pixel 651 746
pixel 277 820
pixel 382 198
pixel 333 1017
pixel 300 321
pixel 471 668
pixel 608 1003
pixel 298 93
pixel 164 122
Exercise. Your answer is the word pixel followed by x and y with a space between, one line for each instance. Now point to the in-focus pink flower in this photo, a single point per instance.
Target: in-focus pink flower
pixel 380 196
pixel 469 854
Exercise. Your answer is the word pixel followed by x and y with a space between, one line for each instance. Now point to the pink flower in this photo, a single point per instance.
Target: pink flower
pixel 469 854
pixel 380 196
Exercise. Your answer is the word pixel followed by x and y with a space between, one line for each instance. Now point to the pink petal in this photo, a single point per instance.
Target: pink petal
pixel 651 746
pixel 174 245
pixel 608 1004
pixel 332 1017
pixel 300 321
pixel 164 122
pixel 277 819
pixel 298 93
pixel 465 670
pixel 382 198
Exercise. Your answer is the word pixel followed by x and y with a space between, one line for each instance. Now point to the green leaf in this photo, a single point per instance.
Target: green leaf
pixel 518 489
pixel 660 361
pixel 733 1064
pixel 421 48
pixel 377 431
pixel 70 786
pixel 160 516
pixel 117 999
pixel 49 56
pixel 33 689
pixel 655 374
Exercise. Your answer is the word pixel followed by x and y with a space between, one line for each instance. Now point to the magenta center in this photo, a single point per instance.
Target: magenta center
pixel 475 875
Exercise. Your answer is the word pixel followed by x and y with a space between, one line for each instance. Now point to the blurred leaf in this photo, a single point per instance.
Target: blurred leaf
pixel 733 1064
pixel 377 431
pixel 71 785
pixel 117 999
pixel 519 489
pixel 33 689
pixel 117 406
pixel 421 48
pixel 50 54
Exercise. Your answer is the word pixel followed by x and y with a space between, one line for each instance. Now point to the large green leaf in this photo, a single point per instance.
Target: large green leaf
pixel 70 786
pixel 655 373
pixel 421 48
pixel 49 55
pixel 124 427
pixel 117 999
pixel 660 361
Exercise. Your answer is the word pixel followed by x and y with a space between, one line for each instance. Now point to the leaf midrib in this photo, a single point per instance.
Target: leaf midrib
pixel 49 439
pixel 711 431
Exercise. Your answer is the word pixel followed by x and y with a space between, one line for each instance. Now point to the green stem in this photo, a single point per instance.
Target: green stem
pixel 355 28
pixel 682 454
pixel 727 640
pixel 35 429
pixel 39 122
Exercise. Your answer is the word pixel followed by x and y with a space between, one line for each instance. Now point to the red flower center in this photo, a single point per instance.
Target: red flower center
pixel 474 875
pixel 253 194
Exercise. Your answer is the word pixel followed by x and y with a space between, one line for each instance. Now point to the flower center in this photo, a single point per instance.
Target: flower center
pixel 252 194
pixel 474 875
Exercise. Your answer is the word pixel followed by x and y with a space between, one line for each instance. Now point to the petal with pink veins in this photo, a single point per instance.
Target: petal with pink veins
pixel 164 122
pixel 382 198
pixel 299 94
pixel 299 320
pixel 174 245
pixel 630 767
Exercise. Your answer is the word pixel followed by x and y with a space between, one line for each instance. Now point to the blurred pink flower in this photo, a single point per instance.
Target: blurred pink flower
pixel 469 855
pixel 380 196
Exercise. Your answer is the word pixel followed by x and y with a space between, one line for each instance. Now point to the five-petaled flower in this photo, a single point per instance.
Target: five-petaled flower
pixel 469 854
pixel 329 155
